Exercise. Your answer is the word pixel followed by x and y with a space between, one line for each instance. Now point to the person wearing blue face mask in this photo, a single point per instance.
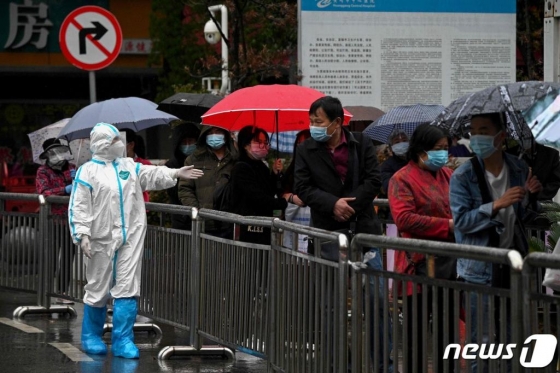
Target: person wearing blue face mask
pixel 215 154
pixel 337 176
pixel 485 214
pixel 419 202
pixel 185 136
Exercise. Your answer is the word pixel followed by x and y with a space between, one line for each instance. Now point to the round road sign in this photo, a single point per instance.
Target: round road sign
pixel 90 38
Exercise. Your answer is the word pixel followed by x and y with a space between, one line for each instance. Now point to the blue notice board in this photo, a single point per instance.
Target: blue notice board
pixel 412 6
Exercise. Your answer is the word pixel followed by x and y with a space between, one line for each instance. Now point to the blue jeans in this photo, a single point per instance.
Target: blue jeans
pixel 485 326
pixel 377 343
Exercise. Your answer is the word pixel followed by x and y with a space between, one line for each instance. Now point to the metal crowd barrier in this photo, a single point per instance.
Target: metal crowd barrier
pixel 541 309
pixel 283 305
pixel 308 308
pixel 29 248
pixel 431 312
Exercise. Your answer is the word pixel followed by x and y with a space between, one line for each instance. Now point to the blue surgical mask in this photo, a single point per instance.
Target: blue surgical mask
pixel 436 159
pixel 188 149
pixel 215 141
pixel 319 134
pixel 400 149
pixel 483 145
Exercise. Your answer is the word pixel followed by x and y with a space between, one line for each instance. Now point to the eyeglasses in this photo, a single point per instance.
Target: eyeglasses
pixel 262 145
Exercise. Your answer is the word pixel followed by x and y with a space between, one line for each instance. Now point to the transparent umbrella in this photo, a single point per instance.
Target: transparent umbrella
pixel 79 147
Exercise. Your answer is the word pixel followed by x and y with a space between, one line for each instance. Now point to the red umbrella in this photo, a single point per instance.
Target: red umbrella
pixel 274 108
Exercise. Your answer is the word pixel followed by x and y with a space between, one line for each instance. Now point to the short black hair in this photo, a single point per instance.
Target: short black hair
pixel 130 135
pixel 247 134
pixel 497 119
pixel 330 105
pixel 424 137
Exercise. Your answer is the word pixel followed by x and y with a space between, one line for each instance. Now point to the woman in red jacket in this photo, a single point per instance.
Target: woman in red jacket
pixel 419 202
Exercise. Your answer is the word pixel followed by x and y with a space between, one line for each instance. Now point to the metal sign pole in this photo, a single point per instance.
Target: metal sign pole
pixel 92 88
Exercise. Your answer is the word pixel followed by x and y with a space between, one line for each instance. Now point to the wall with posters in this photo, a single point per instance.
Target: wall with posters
pixel 386 53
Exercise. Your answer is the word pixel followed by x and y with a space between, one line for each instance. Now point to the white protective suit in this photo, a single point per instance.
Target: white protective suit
pixel 107 205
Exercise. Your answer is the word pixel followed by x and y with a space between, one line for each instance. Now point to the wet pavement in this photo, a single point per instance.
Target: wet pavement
pixel 35 350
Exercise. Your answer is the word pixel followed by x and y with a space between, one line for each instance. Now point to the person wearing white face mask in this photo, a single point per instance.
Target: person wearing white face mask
pixel 488 197
pixel 254 186
pixel 215 155
pixel 107 219
pixel 398 141
pixel 54 178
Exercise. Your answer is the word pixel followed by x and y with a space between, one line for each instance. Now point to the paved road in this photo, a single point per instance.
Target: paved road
pixel 50 344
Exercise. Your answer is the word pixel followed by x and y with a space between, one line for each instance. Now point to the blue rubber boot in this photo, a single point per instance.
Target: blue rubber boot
pixel 92 330
pixel 124 315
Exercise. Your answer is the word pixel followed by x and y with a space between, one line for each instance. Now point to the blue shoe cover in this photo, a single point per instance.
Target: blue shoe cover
pixel 92 330
pixel 121 365
pixel 124 316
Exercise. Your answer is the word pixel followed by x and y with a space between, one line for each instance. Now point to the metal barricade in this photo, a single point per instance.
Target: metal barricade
pixel 540 309
pixel 26 255
pixel 20 255
pixel 308 308
pixel 234 286
pixel 64 262
pixel 430 310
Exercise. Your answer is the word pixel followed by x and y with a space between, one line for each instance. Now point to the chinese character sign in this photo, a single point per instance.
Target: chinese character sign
pixel 28 24
pixel 32 25
pixel 136 46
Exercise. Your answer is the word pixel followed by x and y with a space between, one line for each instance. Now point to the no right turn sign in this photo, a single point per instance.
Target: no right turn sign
pixel 90 38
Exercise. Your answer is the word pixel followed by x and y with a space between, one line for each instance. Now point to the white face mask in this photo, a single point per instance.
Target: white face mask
pixel 116 150
pixel 59 157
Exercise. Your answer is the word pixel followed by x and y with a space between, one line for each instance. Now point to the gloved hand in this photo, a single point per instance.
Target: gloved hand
pixel 73 173
pixel 85 246
pixel 189 172
pixel 68 189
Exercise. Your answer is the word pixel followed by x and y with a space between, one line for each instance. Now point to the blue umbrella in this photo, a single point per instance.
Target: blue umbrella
pixel 130 112
pixel 405 118
pixel 286 141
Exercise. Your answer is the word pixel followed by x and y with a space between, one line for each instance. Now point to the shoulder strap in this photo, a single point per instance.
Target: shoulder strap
pixel 482 184
pixel 486 197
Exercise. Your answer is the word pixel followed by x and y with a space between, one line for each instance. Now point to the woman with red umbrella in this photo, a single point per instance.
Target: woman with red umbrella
pixel 254 185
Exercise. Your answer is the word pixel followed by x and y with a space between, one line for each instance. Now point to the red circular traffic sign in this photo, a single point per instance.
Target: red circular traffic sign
pixel 90 38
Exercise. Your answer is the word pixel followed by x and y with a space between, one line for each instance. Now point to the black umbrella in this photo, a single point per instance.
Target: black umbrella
pixel 189 106
pixel 510 99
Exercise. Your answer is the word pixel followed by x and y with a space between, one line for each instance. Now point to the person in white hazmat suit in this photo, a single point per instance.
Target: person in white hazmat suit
pixel 107 219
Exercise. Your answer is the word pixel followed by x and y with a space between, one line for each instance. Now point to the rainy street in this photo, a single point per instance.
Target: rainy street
pixel 33 349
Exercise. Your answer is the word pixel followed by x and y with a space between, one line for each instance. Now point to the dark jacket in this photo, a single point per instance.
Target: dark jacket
pixel 545 164
pixel 254 188
pixel 178 161
pixel 200 192
pixel 319 186
pixel 388 169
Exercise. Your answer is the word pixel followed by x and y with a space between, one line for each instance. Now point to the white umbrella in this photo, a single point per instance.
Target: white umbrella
pixel 543 119
pixel 79 147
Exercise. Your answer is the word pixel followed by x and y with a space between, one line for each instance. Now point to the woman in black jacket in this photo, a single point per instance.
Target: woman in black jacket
pixel 254 185
pixel 185 136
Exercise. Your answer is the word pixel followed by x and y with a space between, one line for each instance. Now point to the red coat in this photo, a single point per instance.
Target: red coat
pixel 148 163
pixel 50 182
pixel 419 202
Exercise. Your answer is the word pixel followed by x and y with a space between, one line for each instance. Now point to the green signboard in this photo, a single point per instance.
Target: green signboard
pixel 33 25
